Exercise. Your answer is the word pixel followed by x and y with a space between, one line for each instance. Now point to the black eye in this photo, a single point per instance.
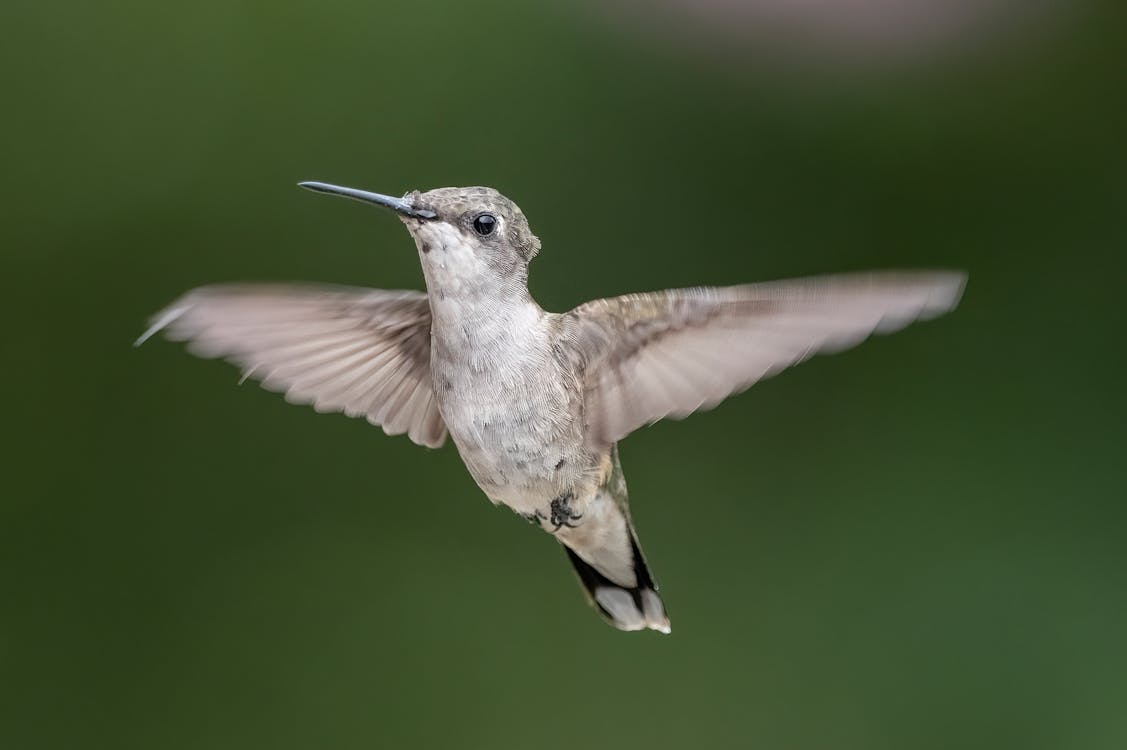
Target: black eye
pixel 484 224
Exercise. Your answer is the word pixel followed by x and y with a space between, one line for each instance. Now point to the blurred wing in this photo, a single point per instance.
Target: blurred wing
pixel 365 352
pixel 667 354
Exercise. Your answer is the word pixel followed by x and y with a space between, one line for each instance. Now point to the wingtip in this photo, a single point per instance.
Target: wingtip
pixel 160 322
pixel 949 290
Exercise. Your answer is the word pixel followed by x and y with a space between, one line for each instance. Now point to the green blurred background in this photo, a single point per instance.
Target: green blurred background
pixel 921 543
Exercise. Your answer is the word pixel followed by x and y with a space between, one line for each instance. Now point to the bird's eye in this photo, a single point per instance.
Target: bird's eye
pixel 484 224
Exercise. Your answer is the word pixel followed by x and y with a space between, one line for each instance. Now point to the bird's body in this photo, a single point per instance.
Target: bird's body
pixel 508 402
pixel 535 401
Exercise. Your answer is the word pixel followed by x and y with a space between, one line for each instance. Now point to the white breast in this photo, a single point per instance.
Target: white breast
pixel 511 406
pixel 508 405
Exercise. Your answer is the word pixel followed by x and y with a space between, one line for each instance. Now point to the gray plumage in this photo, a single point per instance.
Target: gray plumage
pixel 364 352
pixel 536 401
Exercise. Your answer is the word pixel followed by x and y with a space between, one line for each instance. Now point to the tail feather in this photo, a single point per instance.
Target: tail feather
pixel 604 550
pixel 626 608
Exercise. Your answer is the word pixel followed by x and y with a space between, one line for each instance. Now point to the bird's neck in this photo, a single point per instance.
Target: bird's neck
pixel 501 316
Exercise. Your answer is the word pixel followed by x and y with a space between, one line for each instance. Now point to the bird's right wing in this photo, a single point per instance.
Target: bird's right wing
pixel 365 352
pixel 644 357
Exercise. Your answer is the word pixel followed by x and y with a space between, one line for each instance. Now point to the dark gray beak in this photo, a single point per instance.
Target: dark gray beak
pixel 396 204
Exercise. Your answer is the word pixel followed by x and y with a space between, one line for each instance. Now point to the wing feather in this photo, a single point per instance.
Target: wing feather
pixel 364 352
pixel 644 357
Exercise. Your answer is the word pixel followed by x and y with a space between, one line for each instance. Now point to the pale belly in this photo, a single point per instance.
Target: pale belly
pixel 510 403
pixel 519 434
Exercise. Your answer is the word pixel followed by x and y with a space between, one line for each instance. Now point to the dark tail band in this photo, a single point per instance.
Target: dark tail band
pixel 625 608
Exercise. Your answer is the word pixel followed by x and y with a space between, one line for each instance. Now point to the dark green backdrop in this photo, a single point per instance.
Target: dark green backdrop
pixel 918 544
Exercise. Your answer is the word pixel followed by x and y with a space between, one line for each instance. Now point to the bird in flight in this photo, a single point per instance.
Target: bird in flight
pixel 535 401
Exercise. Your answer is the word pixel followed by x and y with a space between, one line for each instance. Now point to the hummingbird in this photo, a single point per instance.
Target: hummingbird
pixel 535 402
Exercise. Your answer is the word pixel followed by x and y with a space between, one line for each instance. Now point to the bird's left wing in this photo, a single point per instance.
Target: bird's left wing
pixel 644 357
pixel 365 352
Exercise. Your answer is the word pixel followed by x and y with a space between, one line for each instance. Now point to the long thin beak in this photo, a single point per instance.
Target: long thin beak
pixel 396 204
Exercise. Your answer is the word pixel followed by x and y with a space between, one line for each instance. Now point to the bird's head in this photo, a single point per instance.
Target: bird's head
pixel 468 237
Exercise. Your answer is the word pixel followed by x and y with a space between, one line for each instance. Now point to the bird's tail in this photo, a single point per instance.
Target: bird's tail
pixel 626 607
pixel 610 564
